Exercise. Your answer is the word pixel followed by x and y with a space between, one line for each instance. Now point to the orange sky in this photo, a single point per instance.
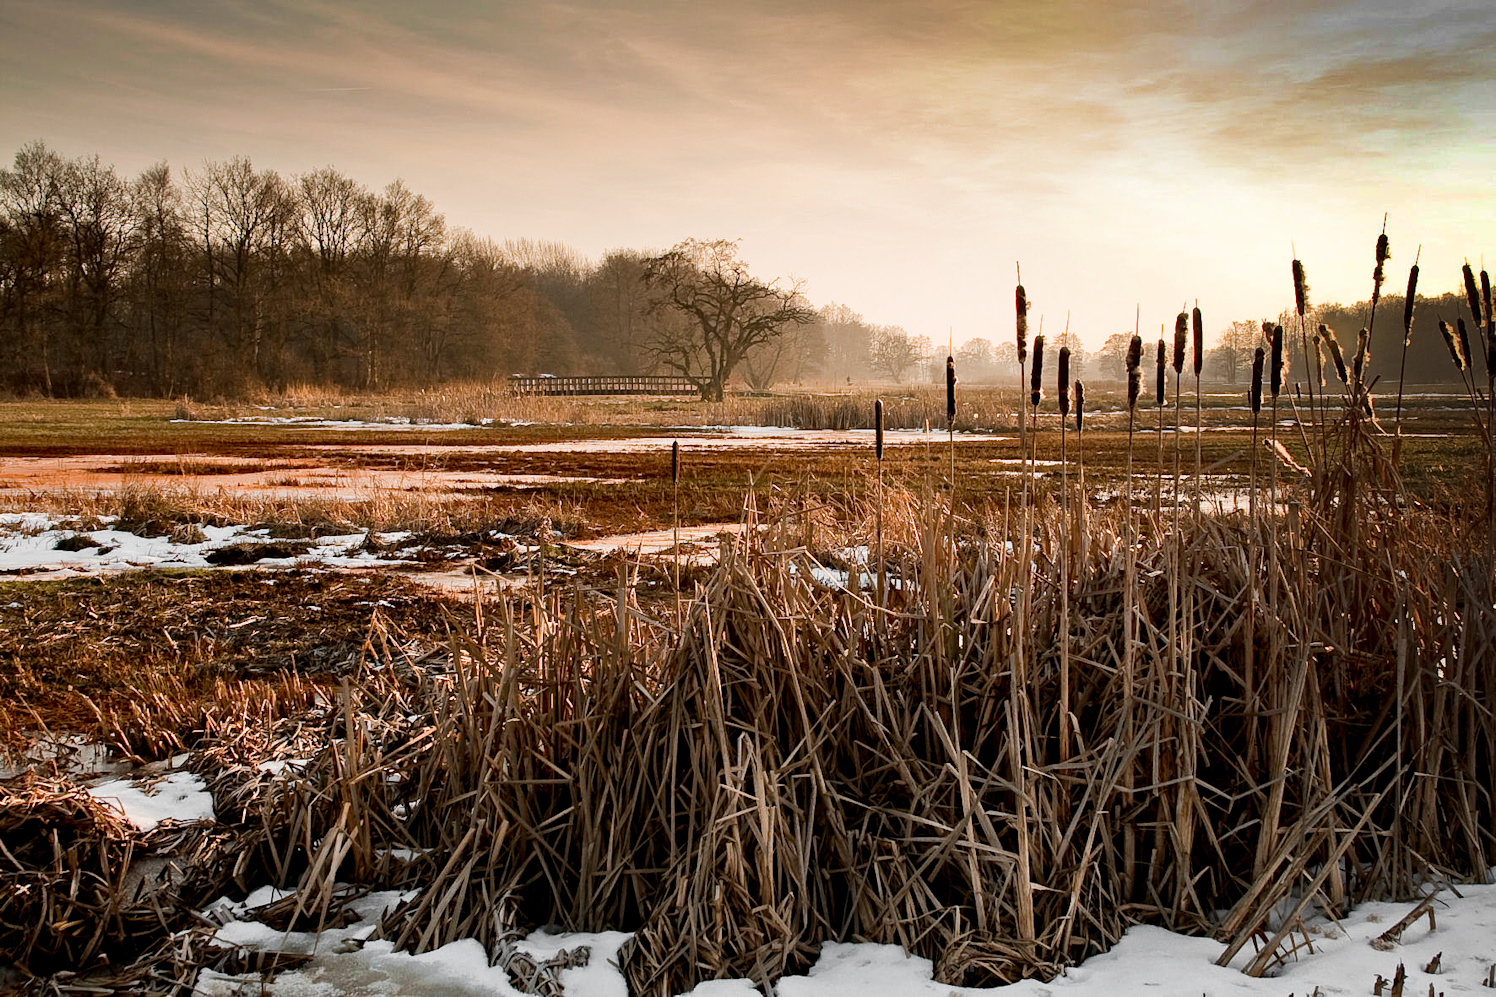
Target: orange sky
pixel 899 157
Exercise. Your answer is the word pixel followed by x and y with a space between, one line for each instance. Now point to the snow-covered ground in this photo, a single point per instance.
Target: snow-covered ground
pixel 1148 961
pixel 29 544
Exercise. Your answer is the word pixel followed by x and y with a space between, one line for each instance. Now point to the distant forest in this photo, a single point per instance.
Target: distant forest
pixel 225 279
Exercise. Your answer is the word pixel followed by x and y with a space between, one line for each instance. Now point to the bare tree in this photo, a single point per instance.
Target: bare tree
pixel 1234 352
pixel 728 312
pixel 894 352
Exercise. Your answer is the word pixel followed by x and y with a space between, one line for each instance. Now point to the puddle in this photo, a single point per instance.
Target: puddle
pixel 734 438
pixel 272 478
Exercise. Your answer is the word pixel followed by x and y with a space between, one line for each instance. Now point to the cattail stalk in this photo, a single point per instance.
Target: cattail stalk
pixel 1160 401
pixel 1062 393
pixel 1062 390
pixel 1254 399
pixel 1301 308
pixel 950 419
pixel 878 512
pixel 1198 327
pixel 675 520
pixel 1402 366
pixel 1275 383
pixel 1020 308
pixel 1181 340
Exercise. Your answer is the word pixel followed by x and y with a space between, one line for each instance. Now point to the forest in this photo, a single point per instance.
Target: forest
pixel 224 280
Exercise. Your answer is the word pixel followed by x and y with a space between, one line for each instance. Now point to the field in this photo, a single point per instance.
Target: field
pixel 992 699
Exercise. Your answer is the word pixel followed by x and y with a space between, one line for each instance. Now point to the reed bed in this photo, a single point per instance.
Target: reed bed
pixel 793 762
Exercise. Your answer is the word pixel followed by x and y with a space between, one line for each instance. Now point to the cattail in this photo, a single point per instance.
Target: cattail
pixel 1335 354
pixel 1256 396
pixel 1181 335
pixel 675 463
pixel 1199 327
pixel 1408 305
pixel 950 392
pixel 1159 393
pixel 1464 343
pixel 1036 382
pixel 1363 350
pixel 1276 373
pixel 878 427
pixel 1020 305
pixel 1319 359
pixel 1080 406
pixel 1134 375
pixel 1379 274
pixel 1064 382
pixel 1300 289
pixel 1471 296
pixel 1453 344
pixel 1485 288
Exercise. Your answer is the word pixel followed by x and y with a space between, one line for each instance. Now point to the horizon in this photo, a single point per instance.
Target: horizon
pixel 899 162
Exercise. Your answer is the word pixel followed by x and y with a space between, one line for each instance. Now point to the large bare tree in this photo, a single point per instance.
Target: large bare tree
pixel 728 312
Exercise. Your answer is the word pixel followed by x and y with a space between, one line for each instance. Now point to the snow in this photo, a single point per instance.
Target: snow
pixel 28 543
pixel 1147 961
pixel 179 796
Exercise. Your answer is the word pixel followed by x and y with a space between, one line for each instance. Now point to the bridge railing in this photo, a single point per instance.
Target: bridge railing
pixel 600 384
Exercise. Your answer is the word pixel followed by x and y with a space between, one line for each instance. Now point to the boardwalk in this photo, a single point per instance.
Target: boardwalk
pixel 604 384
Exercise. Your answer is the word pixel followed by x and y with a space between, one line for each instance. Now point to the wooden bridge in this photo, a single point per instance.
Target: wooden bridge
pixel 601 384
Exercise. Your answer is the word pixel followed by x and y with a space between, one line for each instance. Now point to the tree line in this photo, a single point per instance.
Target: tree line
pixel 225 278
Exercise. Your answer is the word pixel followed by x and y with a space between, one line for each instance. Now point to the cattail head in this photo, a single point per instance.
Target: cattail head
pixel 1020 305
pixel 1363 351
pixel 1159 394
pixel 1255 397
pixel 1064 383
pixel 878 427
pixel 1379 274
pixel 1134 352
pixel 1300 289
pixel 1319 359
pixel 675 462
pixel 950 392
pixel 1485 297
pixel 1199 330
pixel 1336 356
pixel 1080 406
pixel 1472 297
pixel 1408 305
pixel 1036 376
pixel 1452 343
pixel 1181 337
pixel 1276 370
pixel 1464 336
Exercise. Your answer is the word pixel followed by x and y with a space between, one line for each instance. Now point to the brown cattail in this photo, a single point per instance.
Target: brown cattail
pixel 1199 329
pixel 675 462
pixel 1020 305
pixel 1453 344
pixel 1471 296
pixel 1319 359
pixel 1464 335
pixel 1276 372
pixel 878 427
pixel 1064 383
pixel 1036 382
pixel 1408 305
pixel 1159 393
pixel 1485 290
pixel 1379 274
pixel 1181 335
pixel 1300 289
pixel 1363 351
pixel 950 392
pixel 1255 397
pixel 1080 406
pixel 1335 354
pixel 1134 374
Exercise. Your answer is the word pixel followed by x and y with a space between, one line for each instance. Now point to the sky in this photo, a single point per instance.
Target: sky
pixel 899 158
